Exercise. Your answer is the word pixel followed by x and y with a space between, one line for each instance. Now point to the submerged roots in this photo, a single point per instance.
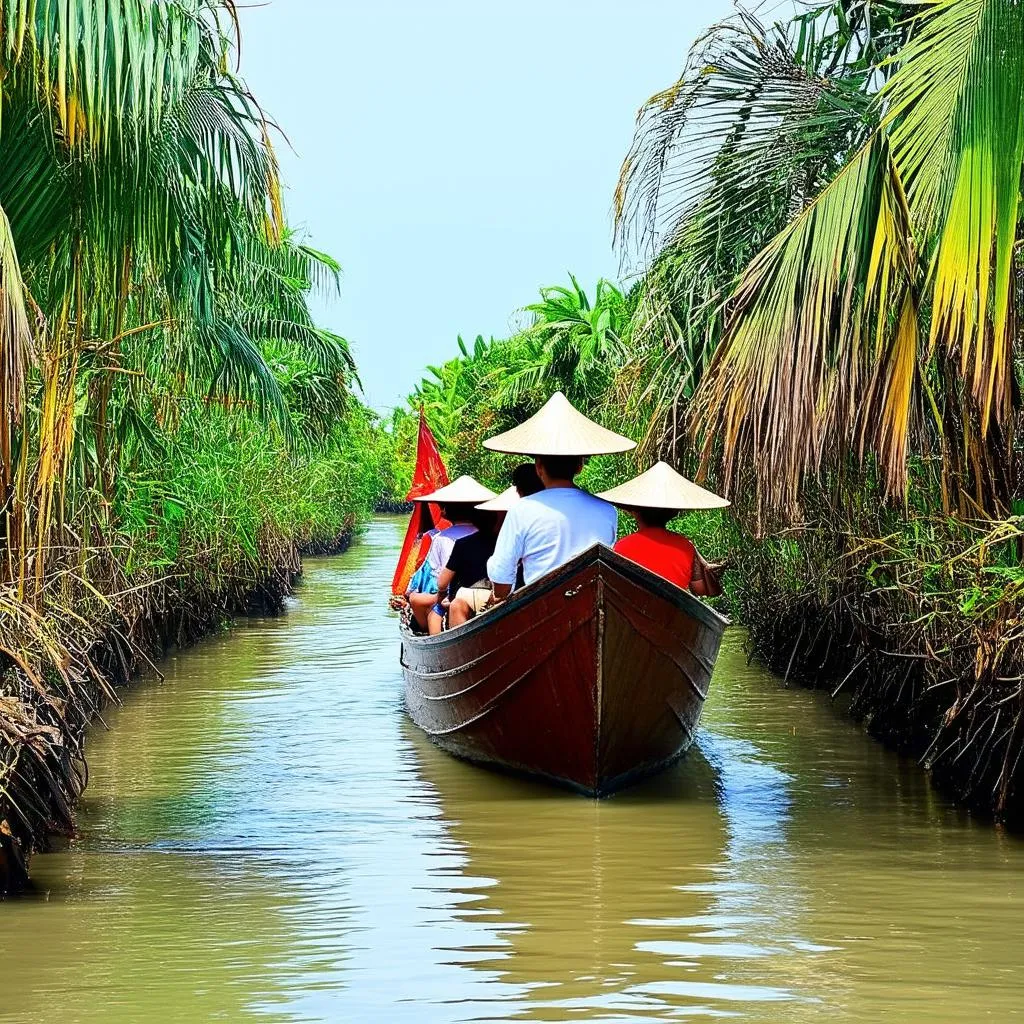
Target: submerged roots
pixel 924 633
pixel 62 659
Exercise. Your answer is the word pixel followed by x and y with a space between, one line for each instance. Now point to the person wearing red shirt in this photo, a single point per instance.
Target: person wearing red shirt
pixel 652 499
pixel 671 555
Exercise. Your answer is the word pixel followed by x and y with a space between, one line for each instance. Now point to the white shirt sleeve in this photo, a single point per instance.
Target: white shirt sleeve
pixel 503 564
pixel 437 555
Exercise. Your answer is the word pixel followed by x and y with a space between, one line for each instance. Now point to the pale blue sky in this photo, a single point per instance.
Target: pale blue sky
pixel 454 156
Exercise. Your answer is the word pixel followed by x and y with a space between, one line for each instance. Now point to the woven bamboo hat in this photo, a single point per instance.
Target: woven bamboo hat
pixel 464 491
pixel 559 429
pixel 662 487
pixel 503 502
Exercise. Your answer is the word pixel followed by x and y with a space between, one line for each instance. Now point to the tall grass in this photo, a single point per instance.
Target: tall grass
pixel 208 523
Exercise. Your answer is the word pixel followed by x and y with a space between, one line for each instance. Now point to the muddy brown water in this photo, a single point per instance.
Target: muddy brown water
pixel 266 837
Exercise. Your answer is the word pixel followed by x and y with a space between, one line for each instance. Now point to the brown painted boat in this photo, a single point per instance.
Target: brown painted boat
pixel 592 677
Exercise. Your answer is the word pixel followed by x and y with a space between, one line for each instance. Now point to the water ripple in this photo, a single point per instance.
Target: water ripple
pixel 266 836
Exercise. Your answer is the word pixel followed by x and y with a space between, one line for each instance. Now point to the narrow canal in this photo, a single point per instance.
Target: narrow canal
pixel 265 836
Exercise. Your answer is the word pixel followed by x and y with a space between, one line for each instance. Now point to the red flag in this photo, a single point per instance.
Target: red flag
pixel 430 474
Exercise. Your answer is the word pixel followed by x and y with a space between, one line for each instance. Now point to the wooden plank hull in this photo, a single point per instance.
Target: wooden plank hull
pixel 593 677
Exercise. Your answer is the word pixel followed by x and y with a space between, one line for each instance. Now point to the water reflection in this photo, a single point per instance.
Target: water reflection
pixel 267 836
pixel 611 907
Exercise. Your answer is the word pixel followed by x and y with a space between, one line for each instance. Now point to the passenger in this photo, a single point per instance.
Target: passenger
pixel 671 556
pixel 466 572
pixel 422 601
pixel 653 499
pixel 422 579
pixel 469 556
pixel 457 501
pixel 525 481
pixel 469 586
pixel 553 526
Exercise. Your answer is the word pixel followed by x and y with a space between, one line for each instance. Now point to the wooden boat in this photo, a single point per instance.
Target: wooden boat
pixel 592 677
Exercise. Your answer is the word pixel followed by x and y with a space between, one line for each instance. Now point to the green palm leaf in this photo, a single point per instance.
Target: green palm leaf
pixel 955 115
pixel 795 378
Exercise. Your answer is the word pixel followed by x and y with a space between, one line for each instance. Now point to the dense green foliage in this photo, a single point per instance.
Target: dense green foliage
pixel 492 385
pixel 224 482
pixel 850 246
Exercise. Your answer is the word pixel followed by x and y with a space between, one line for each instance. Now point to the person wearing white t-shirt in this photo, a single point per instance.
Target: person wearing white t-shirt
pixel 548 529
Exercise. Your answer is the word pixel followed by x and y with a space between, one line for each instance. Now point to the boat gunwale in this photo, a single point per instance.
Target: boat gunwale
pixel 596 556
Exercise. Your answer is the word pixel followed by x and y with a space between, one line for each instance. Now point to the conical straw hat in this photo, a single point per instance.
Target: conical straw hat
pixel 503 502
pixel 558 429
pixel 464 491
pixel 662 487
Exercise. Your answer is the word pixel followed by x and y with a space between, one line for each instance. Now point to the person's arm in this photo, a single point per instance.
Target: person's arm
pixel 698 582
pixel 502 565
pixel 443 582
pixel 704 582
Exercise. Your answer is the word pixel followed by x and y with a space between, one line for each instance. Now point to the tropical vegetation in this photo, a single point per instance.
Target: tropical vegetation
pixel 820 225
pixel 175 426
pixel 822 221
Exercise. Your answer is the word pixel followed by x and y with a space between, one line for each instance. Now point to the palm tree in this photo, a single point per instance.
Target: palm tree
pixel 572 343
pixel 760 119
pixel 879 318
pixel 151 298
pixel 142 245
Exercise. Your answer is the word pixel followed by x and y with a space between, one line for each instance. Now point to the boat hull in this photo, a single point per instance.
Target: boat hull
pixel 593 677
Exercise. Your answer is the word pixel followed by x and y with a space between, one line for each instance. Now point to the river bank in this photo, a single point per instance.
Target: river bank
pixel 42 739
pixel 211 525
pixel 916 620
pixel 265 837
pixel 175 425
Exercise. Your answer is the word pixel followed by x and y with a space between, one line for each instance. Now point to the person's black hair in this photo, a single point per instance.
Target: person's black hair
pixel 482 519
pixel 655 516
pixel 561 467
pixel 458 511
pixel 525 480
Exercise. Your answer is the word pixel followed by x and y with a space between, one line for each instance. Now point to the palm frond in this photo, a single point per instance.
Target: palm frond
pixel 15 351
pixel 739 133
pixel 953 112
pixel 795 376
